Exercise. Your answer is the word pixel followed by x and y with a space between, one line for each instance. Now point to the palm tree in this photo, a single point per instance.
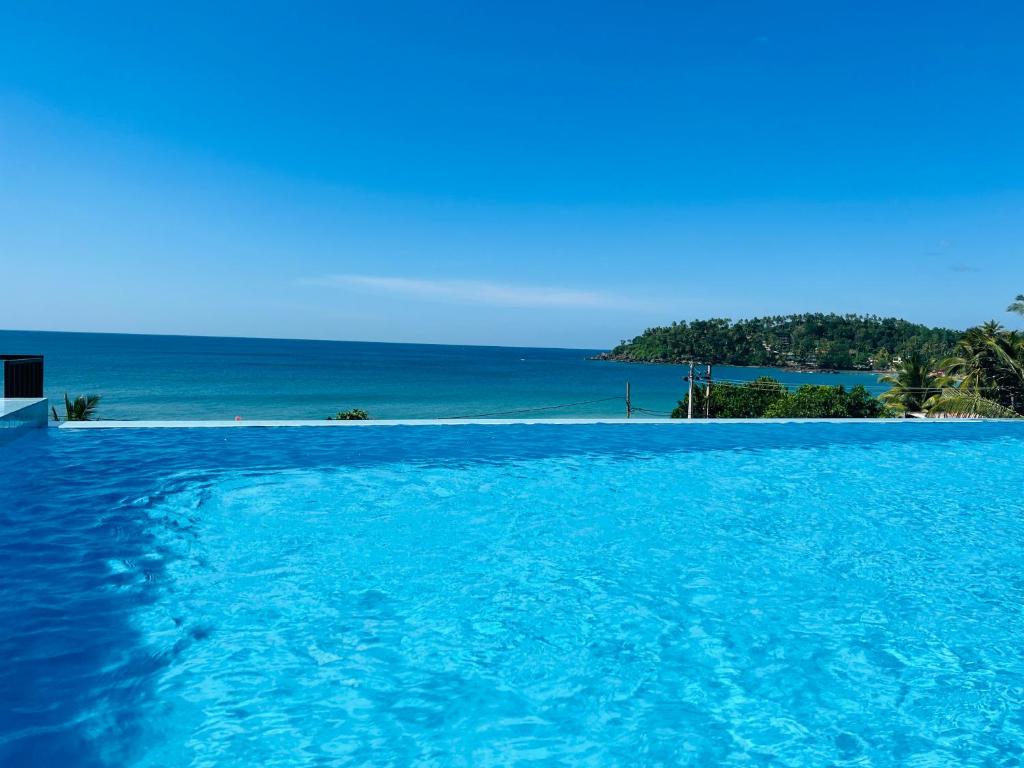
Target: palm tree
pixel 913 384
pixel 989 369
pixel 1017 305
pixel 82 409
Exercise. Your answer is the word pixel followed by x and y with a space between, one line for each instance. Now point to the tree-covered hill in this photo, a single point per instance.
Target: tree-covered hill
pixel 840 342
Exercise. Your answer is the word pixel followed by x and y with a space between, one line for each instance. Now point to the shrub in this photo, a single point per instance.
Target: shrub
pixel 767 398
pixel 355 414
pixel 735 401
pixel 816 401
pixel 861 404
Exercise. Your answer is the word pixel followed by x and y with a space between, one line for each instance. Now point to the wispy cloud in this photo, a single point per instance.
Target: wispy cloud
pixel 477 292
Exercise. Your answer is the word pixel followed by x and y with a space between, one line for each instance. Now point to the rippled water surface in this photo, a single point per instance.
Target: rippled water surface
pixel 801 594
pixel 204 377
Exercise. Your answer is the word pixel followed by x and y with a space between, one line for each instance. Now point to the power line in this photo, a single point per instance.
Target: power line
pixel 649 412
pixel 751 384
pixel 535 410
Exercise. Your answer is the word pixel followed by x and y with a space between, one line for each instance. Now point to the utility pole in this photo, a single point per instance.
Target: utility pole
pixel 629 406
pixel 689 397
pixel 707 395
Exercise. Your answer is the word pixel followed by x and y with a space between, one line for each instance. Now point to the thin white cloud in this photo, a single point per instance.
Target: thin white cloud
pixel 476 292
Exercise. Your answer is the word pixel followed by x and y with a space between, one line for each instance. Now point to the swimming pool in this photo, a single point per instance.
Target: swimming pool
pixel 793 594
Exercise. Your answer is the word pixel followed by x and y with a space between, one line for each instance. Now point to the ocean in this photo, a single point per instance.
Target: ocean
pixel 205 377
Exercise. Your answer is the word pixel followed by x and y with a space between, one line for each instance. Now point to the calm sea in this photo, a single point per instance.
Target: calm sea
pixel 197 377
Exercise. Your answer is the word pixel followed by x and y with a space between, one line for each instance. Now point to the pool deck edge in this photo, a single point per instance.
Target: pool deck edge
pixel 20 415
pixel 223 424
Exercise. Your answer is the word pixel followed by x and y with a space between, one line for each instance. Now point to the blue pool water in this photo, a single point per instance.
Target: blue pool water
pixel 784 594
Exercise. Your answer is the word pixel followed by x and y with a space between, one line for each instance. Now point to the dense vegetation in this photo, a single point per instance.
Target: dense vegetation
pixel 355 414
pixel 840 342
pixel 983 376
pixel 767 398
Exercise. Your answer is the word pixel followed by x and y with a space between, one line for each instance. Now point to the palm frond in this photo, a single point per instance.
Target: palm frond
pixel 1017 305
pixel 82 408
pixel 966 404
pixel 1008 352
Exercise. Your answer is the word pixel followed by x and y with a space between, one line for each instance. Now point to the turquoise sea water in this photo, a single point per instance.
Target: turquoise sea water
pixel 180 377
pixel 688 594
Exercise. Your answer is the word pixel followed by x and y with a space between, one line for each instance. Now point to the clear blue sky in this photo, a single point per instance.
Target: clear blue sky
pixel 560 174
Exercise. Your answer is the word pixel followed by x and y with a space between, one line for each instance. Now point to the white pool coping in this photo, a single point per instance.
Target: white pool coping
pixel 222 424
pixel 21 415
pixel 12 405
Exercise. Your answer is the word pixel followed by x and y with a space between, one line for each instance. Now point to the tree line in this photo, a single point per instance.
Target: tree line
pixel 813 340
pixel 981 376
